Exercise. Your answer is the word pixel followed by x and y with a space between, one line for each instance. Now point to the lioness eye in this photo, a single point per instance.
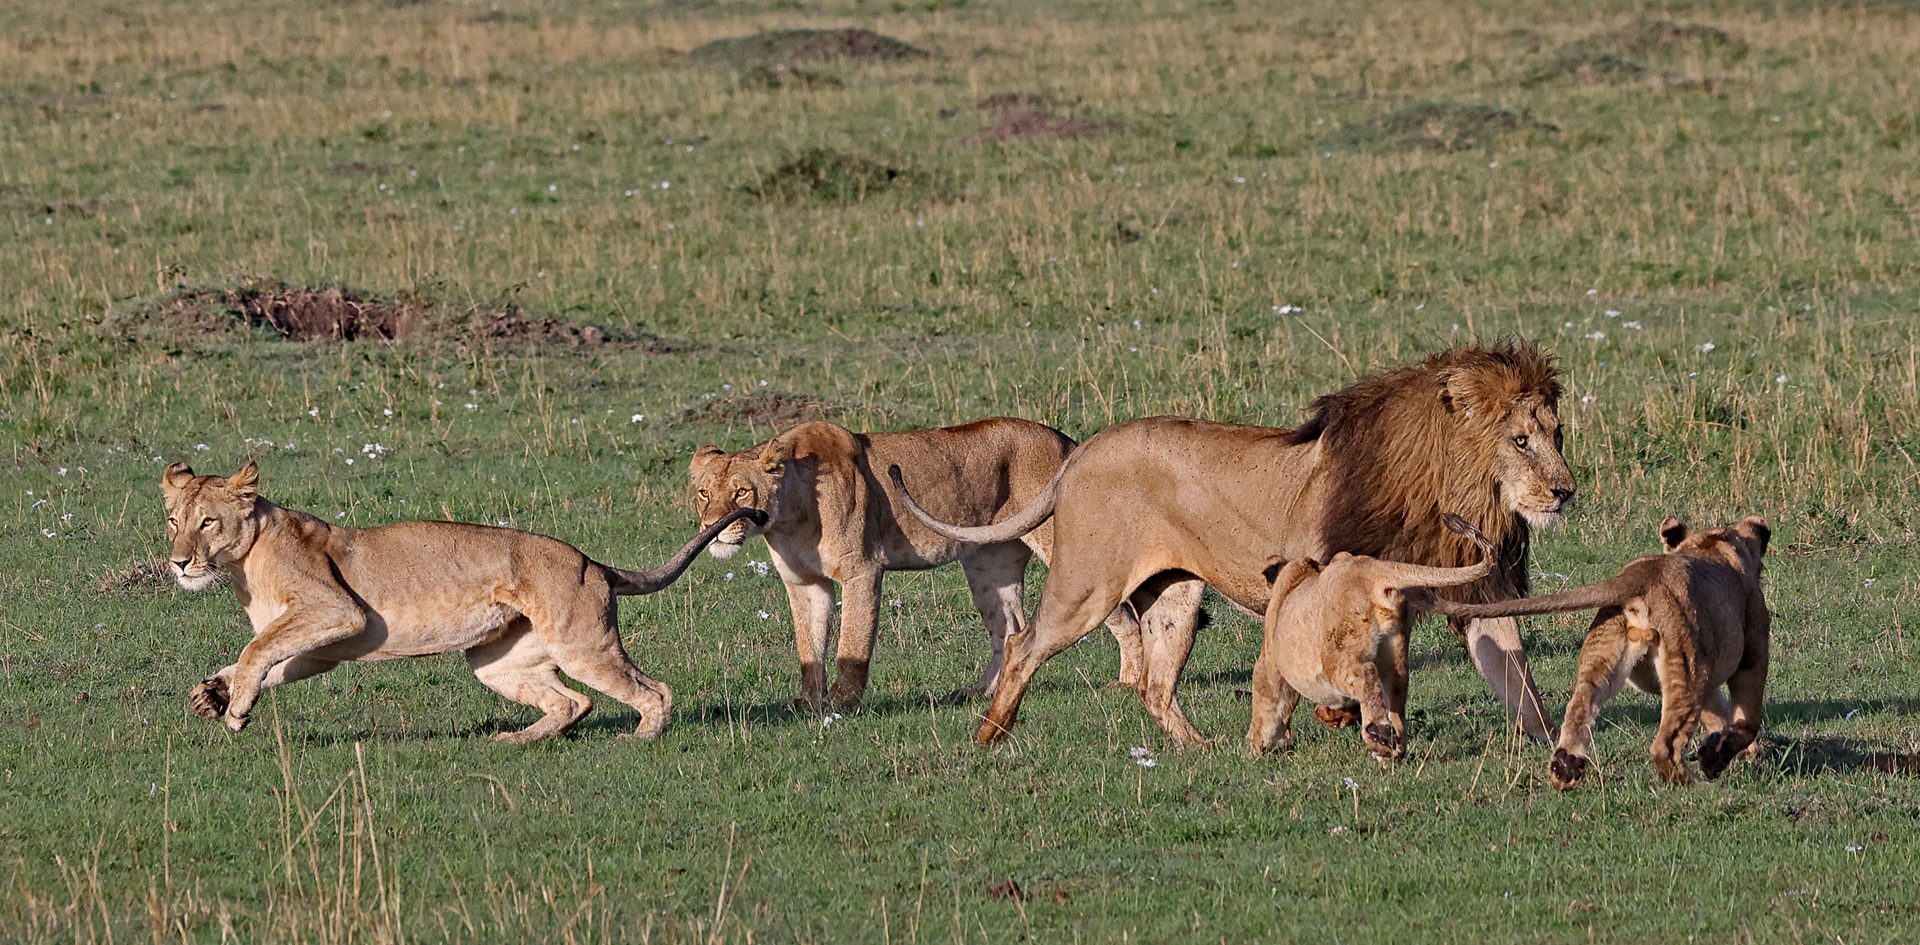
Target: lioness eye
pixel 1520 441
pixel 206 523
pixel 703 493
pixel 739 493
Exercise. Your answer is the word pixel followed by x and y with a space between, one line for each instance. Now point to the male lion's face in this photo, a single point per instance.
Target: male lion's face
pixel 722 482
pixel 1534 478
pixel 209 521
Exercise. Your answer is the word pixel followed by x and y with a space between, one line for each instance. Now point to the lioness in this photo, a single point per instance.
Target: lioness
pixel 1152 511
pixel 831 518
pixel 1337 634
pixel 1679 624
pixel 521 605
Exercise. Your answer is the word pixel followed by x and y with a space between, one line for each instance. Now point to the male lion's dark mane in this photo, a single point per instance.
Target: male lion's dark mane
pixel 1405 445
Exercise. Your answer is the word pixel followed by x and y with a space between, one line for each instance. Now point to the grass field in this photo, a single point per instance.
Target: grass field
pixel 1713 226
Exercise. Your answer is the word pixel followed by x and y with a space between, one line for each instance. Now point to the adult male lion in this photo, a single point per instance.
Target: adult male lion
pixel 1150 512
pixel 521 605
pixel 831 518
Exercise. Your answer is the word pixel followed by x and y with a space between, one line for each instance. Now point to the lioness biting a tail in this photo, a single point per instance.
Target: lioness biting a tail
pixel 1338 636
pixel 831 518
pixel 1680 624
pixel 522 606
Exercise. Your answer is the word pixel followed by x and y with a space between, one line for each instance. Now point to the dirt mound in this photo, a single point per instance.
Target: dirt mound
pixel 1435 126
pixel 1012 101
pixel 823 174
pixel 1614 56
pixel 785 47
pixel 335 313
pixel 776 409
pixel 1652 38
pixel 1032 125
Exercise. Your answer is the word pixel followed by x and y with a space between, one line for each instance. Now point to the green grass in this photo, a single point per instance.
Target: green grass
pixel 1758 199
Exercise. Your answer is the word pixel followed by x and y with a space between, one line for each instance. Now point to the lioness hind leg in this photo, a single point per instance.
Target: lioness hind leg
pixel 995 578
pixel 1273 704
pixel 598 659
pixel 519 668
pixel 1167 629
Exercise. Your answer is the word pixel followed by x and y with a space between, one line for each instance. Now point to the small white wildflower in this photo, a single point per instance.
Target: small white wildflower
pixel 314 412
pixel 1586 398
pixel 387 412
pixel 1147 763
pixel 638 417
pixel 63 470
pixel 1780 379
pixel 1613 313
pixel 1593 291
pixel 1139 752
pixel 728 576
pixel 763 615
pixel 349 460
pixel 1633 325
pixel 1597 336
pixel 1853 713
pixel 1349 782
pixel 1868 582
pixel 1851 849
pixel 1703 347
pixel 473 406
pixel 553 188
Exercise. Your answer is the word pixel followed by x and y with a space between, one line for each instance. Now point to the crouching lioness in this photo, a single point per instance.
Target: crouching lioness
pixel 1337 634
pixel 1681 625
pixel 522 606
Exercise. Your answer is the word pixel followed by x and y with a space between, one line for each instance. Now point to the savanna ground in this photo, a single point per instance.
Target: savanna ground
pixel 610 250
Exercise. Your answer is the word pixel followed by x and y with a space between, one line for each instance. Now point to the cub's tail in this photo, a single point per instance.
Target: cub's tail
pixel 629 583
pixel 1022 522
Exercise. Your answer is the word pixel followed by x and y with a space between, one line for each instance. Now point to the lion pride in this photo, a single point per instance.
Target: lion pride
pixel 1151 512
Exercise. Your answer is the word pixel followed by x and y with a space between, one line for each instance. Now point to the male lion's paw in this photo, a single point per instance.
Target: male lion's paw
pixel 1336 718
pixel 1567 768
pixel 208 699
pixel 1384 742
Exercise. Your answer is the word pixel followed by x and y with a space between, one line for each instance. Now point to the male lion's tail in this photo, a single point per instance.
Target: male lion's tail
pixel 1022 522
pixel 629 583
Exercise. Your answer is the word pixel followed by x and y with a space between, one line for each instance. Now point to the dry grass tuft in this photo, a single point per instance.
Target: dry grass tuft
pixel 1031 125
pixel 144 577
pixel 824 174
pixel 777 409
pixel 775 48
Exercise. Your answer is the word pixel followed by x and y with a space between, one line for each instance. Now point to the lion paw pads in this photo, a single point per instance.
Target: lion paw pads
pixel 1567 768
pixel 209 698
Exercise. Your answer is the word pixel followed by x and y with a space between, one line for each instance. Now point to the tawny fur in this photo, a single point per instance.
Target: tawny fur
pixel 1681 625
pixel 1337 636
pixel 1152 511
pixel 522 606
pixel 833 518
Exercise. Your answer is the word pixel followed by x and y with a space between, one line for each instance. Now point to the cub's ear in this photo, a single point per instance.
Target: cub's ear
pixel 1672 532
pixel 1756 528
pixel 1272 570
pixel 774 456
pixel 245 484
pixel 176 478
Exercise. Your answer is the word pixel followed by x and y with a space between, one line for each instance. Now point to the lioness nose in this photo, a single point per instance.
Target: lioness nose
pixel 1563 494
pixel 180 563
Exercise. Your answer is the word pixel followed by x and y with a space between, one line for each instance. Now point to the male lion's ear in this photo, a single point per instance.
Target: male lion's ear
pixel 775 455
pixel 245 484
pixel 1756 528
pixel 1673 532
pixel 176 478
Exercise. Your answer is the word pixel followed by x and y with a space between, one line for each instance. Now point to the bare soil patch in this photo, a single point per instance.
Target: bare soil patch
pixel 1621 55
pixel 1021 101
pixel 774 48
pixel 1435 126
pixel 824 174
pixel 340 314
pixel 1034 125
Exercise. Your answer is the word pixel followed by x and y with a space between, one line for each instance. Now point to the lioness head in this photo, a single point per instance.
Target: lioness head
pixel 210 521
pixel 748 479
pixel 1515 417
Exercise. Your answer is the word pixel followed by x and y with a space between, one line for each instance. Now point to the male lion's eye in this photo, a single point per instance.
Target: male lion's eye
pixel 1520 441
pixel 206 523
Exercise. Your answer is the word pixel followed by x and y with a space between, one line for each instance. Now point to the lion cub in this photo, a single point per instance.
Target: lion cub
pixel 1680 624
pixel 522 606
pixel 1337 634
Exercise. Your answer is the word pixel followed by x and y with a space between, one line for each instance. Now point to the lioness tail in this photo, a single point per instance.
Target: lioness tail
pixel 1022 522
pixel 1580 598
pixel 629 583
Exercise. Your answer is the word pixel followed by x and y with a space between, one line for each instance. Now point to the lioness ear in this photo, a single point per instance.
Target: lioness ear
pixel 1673 532
pixel 704 455
pixel 245 484
pixel 775 455
pixel 1756 528
pixel 176 478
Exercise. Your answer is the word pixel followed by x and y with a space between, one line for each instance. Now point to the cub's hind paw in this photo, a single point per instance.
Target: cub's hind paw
pixel 1336 718
pixel 209 698
pixel 1567 768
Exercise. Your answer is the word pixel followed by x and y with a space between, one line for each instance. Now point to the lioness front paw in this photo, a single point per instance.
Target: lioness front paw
pixel 1717 752
pixel 209 698
pixel 236 722
pixel 1567 768
pixel 1384 742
